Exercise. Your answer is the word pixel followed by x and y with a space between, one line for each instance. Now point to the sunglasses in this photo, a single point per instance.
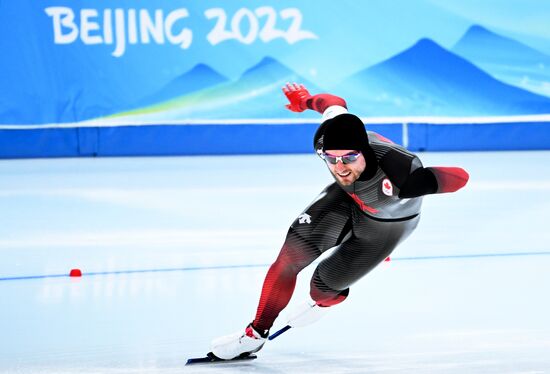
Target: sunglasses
pixel 345 159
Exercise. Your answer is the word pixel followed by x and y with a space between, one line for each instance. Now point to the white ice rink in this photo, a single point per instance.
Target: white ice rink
pixel 174 251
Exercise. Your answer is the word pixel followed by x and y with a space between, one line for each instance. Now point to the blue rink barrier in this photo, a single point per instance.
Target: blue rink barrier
pixel 251 138
pixel 479 137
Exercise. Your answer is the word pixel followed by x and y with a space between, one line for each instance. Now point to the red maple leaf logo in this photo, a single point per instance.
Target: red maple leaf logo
pixel 387 185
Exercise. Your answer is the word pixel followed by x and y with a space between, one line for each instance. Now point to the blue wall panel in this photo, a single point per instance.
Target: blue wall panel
pixel 206 139
pixel 479 137
pixel 39 143
pixel 218 139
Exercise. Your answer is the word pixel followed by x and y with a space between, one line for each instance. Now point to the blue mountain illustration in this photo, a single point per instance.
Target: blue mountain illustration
pixel 201 76
pixel 265 71
pixel 506 59
pixel 427 79
pixel 256 94
pixel 259 90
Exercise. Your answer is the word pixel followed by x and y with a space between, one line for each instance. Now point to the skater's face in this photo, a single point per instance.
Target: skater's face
pixel 348 167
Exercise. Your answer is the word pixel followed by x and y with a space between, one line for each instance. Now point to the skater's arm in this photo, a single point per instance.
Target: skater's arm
pixel 449 179
pixel 431 180
pixel 406 171
pixel 300 99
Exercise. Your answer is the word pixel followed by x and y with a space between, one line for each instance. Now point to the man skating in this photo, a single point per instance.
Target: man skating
pixel 372 206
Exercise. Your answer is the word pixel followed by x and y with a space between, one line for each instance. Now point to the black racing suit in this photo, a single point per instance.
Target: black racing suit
pixel 364 221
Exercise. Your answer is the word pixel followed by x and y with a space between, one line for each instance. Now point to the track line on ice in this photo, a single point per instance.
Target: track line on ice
pixel 223 267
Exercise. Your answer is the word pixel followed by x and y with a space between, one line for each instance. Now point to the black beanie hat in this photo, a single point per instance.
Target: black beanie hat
pixel 345 131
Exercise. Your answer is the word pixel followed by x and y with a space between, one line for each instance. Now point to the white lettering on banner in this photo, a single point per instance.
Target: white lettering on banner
pixel 129 27
pixel 295 33
pixel 218 34
pixel 132 27
pixel 267 33
pixel 119 31
pixel 107 27
pixel 252 21
pixel 151 28
pixel 126 26
pixel 86 25
pixel 185 37
pixel 63 17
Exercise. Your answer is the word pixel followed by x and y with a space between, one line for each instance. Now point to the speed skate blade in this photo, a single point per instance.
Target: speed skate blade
pixel 212 359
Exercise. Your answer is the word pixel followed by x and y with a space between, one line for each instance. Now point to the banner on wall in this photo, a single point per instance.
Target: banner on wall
pixel 176 61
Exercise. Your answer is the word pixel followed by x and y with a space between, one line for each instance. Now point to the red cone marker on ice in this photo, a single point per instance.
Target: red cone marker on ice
pixel 75 273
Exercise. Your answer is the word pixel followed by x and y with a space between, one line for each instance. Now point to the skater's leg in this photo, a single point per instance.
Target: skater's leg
pixel 322 226
pixel 280 280
pixel 371 242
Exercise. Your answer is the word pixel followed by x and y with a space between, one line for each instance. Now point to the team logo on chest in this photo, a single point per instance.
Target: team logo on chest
pixel 387 187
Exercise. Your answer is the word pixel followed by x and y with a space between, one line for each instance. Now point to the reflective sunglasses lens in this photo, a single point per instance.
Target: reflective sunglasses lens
pixel 331 159
pixel 348 159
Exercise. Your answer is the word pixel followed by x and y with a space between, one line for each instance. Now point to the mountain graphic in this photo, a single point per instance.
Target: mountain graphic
pixel 201 76
pixel 488 46
pixel 256 94
pixel 506 59
pixel 427 79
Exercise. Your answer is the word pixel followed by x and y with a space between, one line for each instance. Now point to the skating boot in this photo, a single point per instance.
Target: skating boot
pixel 239 344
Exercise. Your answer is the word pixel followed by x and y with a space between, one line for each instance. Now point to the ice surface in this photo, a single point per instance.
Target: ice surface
pixel 182 245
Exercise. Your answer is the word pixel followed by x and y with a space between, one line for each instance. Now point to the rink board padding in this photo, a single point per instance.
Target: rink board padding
pixel 252 138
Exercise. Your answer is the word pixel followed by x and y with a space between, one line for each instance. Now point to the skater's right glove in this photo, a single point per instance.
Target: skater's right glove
pixel 297 95
pixel 300 99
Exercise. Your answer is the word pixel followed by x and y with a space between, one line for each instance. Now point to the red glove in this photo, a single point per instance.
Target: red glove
pixel 300 99
pixel 297 95
pixel 449 179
